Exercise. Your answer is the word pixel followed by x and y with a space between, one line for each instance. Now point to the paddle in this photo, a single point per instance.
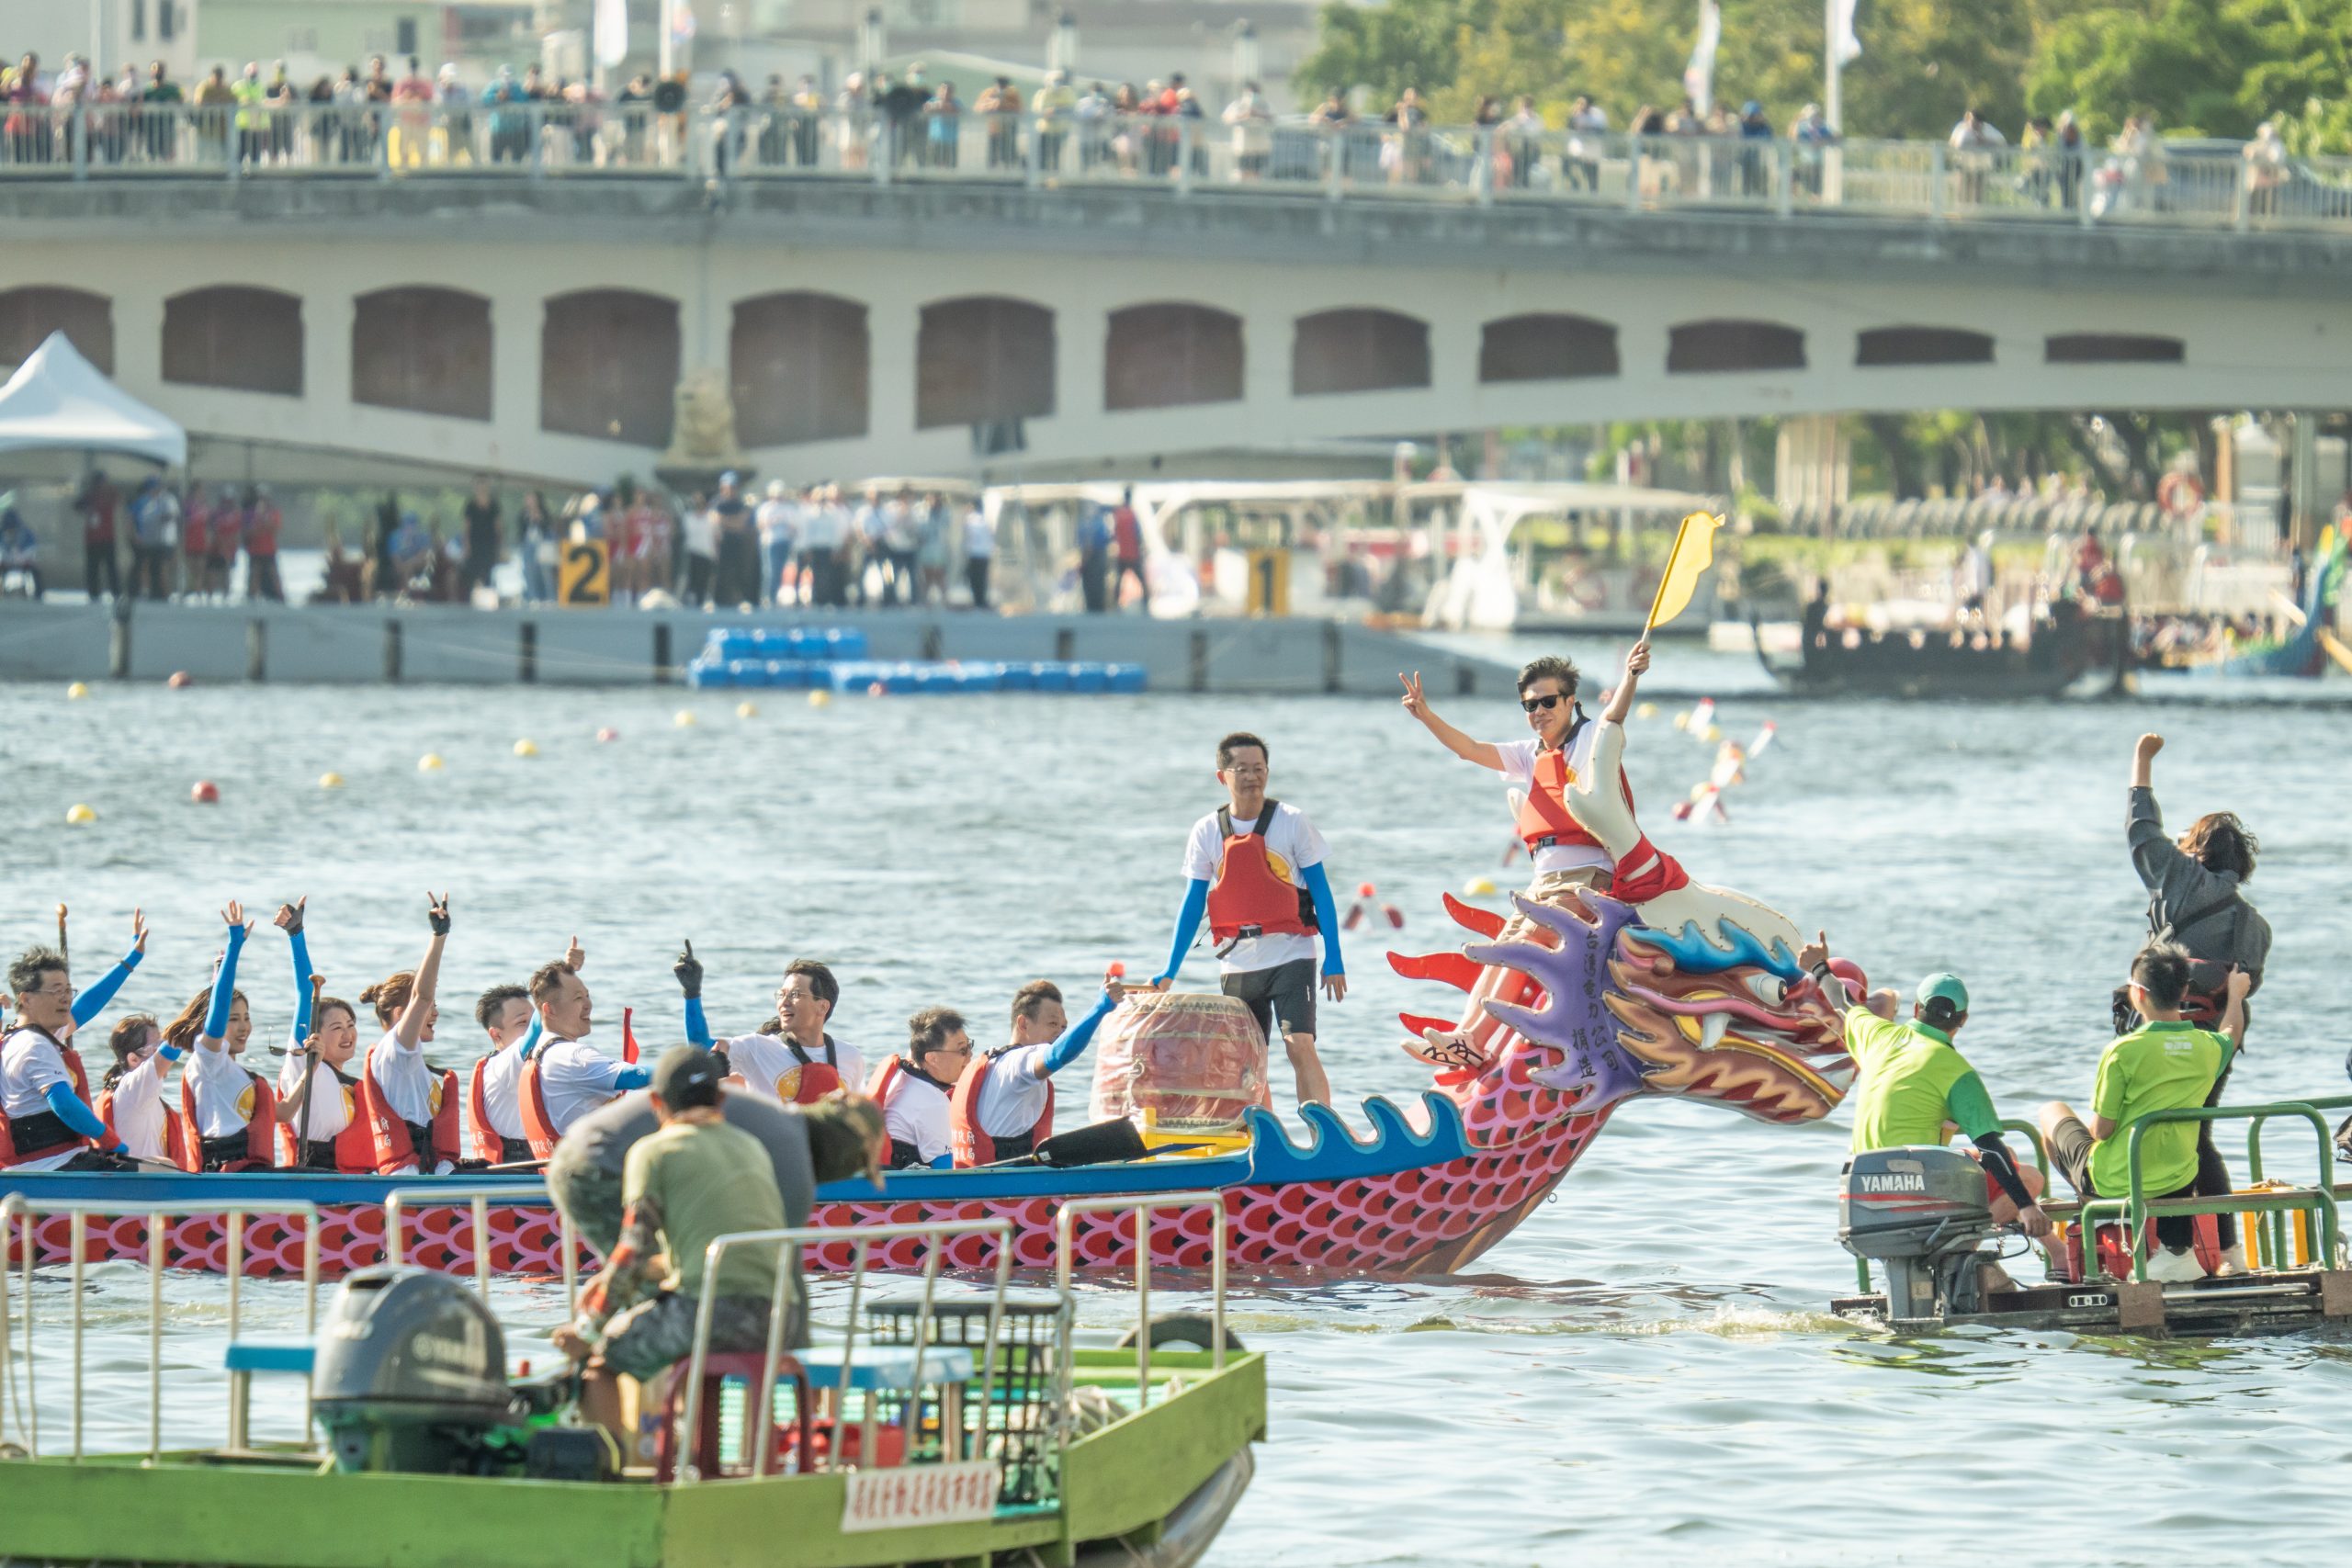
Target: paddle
pixel 1101 1143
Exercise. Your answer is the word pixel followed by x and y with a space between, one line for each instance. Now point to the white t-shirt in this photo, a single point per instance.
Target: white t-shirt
pixel 331 1105
pixel 979 536
pixel 768 1065
pixel 138 1106
pixel 502 1093
pixel 1014 1093
pixel 575 1079
pixel 918 1114
pixel 222 1091
pixel 774 520
pixel 409 1085
pixel 1292 845
pixel 1518 768
pixel 700 528
pixel 29 1063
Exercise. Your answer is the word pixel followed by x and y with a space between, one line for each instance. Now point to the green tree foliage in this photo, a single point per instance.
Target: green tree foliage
pixel 2206 67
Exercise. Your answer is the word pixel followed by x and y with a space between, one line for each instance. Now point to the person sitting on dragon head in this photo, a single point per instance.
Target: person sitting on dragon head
pixel 1575 815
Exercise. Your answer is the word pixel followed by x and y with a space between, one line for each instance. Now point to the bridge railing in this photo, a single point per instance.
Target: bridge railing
pixel 2197 185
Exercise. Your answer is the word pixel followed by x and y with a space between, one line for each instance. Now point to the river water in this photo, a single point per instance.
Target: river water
pixel 1644 1371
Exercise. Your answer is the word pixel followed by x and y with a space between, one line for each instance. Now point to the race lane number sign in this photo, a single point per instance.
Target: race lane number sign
pixel 959 1493
pixel 584 576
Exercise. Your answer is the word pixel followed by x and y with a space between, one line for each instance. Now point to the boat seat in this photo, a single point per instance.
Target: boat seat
pixel 245 1359
pixel 718 1368
pixel 888 1367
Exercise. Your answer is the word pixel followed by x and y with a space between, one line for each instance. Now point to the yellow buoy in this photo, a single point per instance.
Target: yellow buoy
pixel 525 749
pixel 684 719
pixel 76 692
pixel 1682 719
pixel 329 781
pixel 1647 710
pixel 747 710
pixel 1480 887
pixel 1713 732
pixel 429 763
pixel 77 815
pixel 819 699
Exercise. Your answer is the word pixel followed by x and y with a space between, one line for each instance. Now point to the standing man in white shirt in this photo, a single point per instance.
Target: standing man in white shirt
pixel 1255 868
pixel 1540 770
pixel 979 552
pixel 775 521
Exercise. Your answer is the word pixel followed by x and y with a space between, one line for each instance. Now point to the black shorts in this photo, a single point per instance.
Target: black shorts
pixel 1286 991
pixel 2070 1153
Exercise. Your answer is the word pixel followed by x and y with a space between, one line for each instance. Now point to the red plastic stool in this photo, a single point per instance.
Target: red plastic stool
pixel 744 1367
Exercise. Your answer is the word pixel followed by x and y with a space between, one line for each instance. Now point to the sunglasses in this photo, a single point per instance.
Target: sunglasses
pixel 1542 705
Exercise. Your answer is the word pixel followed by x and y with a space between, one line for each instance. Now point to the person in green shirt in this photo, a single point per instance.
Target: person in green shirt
pixel 693 1179
pixel 1913 1083
pixel 2166 1063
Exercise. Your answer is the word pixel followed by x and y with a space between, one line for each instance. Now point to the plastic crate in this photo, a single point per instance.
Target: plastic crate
pixel 1018 1425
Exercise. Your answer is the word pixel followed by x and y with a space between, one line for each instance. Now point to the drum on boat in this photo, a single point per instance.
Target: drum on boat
pixel 1182 1055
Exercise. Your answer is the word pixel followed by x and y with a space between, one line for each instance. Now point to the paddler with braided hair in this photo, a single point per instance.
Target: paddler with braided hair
pixel 1255 868
pixel 1547 770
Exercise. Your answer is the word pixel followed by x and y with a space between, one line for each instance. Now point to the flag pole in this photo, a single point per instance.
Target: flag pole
pixel 1832 100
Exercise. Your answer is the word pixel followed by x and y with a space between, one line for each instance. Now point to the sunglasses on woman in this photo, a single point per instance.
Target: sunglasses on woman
pixel 1541 704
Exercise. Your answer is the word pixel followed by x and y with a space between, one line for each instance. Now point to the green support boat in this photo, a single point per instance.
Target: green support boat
pixel 996 1438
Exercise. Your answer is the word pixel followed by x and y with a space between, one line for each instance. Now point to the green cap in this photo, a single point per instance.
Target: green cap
pixel 1944 987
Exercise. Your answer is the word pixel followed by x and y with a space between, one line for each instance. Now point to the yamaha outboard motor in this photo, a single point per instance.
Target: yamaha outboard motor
pixel 411 1373
pixel 1922 1213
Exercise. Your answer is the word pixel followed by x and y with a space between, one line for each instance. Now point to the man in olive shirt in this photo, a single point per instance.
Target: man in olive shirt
pixel 1912 1081
pixel 693 1179
pixel 2166 1063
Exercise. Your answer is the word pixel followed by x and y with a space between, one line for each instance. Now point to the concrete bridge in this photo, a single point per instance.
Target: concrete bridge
pixel 538 321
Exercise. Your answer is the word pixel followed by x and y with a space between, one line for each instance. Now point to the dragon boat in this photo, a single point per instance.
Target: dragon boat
pixel 1697 994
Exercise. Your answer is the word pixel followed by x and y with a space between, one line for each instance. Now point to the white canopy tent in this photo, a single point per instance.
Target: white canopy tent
pixel 58 400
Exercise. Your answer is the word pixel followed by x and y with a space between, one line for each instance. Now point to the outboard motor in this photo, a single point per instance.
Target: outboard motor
pixel 411 1373
pixel 1922 1213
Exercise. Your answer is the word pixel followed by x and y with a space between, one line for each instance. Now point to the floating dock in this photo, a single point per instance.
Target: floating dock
pixel 444 644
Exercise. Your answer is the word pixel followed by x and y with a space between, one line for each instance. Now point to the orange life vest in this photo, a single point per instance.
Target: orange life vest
pixel 1544 820
pixel 391 1144
pixel 971 1141
pixel 531 1101
pixel 883 1080
pixel 480 1136
pixel 10 1153
pixel 1247 899
pixel 172 1149
pixel 189 1154
pixel 354 1146
pixel 816 1080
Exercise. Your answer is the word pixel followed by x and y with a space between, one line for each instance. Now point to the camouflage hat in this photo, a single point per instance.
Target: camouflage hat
pixel 857 1117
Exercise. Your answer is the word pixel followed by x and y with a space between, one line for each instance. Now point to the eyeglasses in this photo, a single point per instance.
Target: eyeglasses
pixel 944 1050
pixel 1542 705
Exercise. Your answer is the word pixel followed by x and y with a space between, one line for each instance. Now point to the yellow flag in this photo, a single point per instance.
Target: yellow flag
pixel 1695 551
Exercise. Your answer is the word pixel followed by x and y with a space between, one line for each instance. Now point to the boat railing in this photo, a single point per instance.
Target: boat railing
pixel 19 1214
pixel 1142 1208
pixel 2136 1208
pixel 477 1196
pixel 789 1244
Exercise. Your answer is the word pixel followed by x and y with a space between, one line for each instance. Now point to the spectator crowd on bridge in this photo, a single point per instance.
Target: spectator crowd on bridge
pixel 397 115
pixel 877 547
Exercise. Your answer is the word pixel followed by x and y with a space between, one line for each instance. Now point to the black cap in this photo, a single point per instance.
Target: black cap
pixel 688 1076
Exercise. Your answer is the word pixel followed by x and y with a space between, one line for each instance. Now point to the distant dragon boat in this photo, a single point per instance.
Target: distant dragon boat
pixel 1604 1011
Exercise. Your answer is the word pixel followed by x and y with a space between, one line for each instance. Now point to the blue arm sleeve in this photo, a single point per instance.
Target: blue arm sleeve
pixel 75 1113
pixel 697 1026
pixel 632 1076
pixel 1073 1044
pixel 1326 914
pixel 86 1005
pixel 531 1041
pixel 1188 925
pixel 301 950
pixel 225 985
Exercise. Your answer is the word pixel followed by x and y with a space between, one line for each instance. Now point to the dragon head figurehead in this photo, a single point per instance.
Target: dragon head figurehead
pixel 1612 1008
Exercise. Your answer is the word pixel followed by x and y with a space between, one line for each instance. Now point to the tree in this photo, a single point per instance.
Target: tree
pixel 2183 61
